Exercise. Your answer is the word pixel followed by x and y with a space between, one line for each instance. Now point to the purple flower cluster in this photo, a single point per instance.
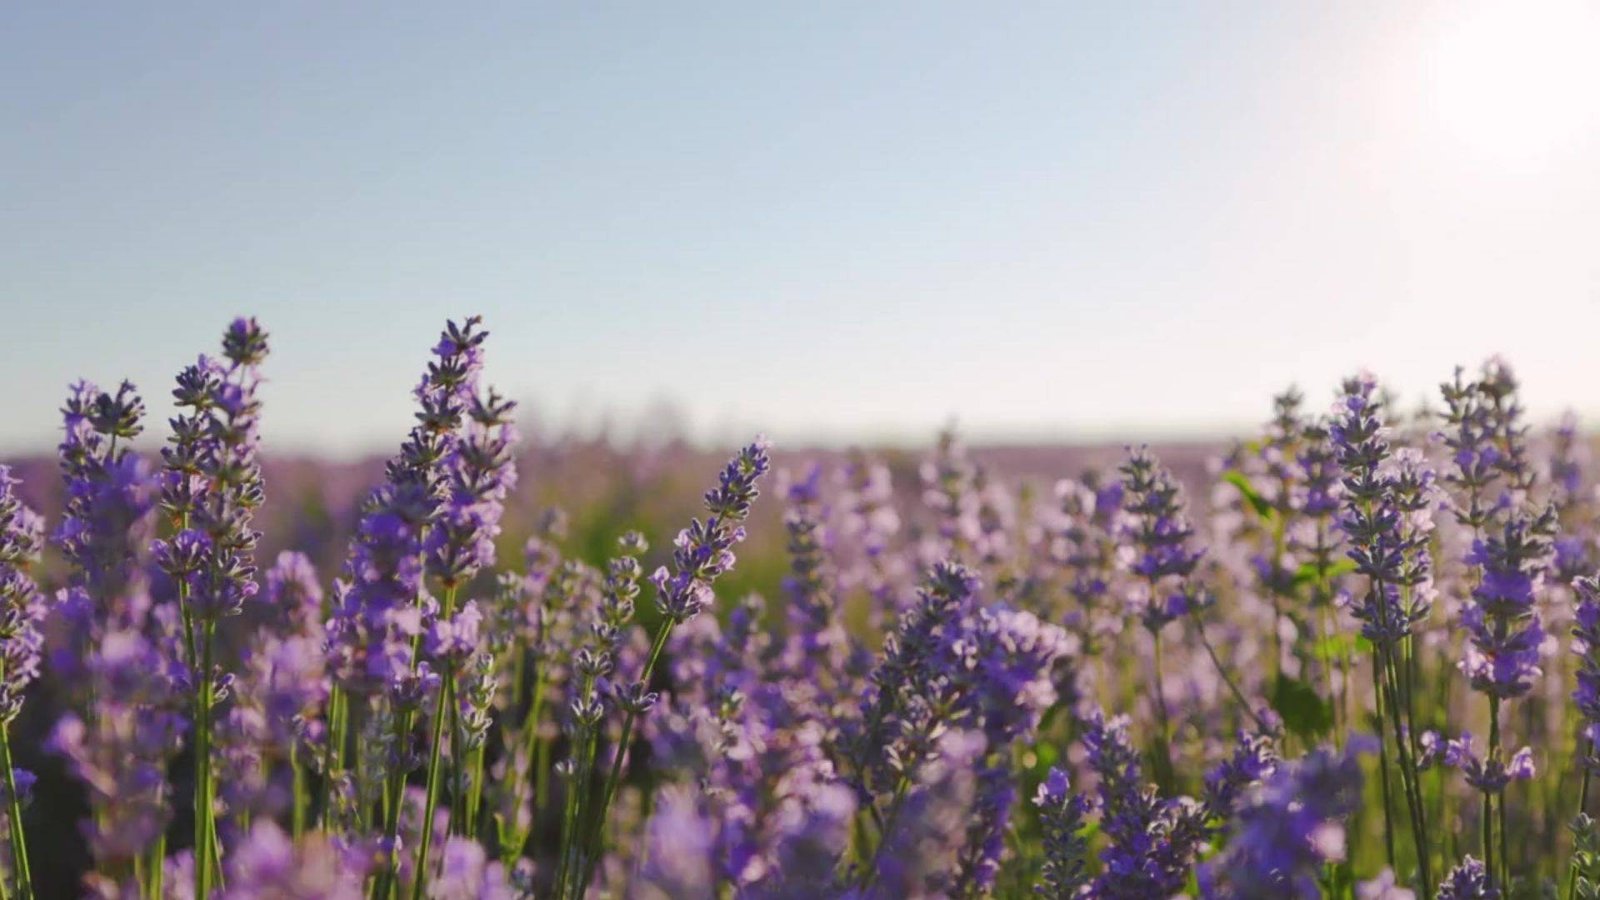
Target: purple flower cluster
pixel 21 605
pixel 1062 813
pixel 440 721
pixel 1388 503
pixel 1287 828
pixel 1151 841
pixel 1162 539
pixel 1502 621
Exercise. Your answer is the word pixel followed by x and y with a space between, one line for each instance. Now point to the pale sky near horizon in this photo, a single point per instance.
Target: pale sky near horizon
pixel 826 221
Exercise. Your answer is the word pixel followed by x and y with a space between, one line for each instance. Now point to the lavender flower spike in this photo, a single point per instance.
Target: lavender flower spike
pixel 21 606
pixel 1062 813
pixel 704 550
pixel 1468 881
pixel 21 609
pixel 1586 645
pixel 1161 536
pixel 1287 828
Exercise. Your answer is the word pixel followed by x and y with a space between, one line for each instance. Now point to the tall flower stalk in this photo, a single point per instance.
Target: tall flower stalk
pixel 1162 537
pixel 701 554
pixel 1512 550
pixel 21 611
pixel 1386 505
pixel 210 490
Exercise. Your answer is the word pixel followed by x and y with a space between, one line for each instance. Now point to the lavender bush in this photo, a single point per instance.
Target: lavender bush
pixel 1261 678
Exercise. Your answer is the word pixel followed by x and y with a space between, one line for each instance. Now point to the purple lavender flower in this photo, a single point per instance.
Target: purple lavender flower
pixel 1158 529
pixel 108 497
pixel 1061 814
pixel 1586 645
pixel 978 863
pixel 212 484
pixel 1151 842
pixel 1316 536
pixel 1288 827
pixel 1502 622
pixel 478 474
pixel 1253 759
pixel 1388 496
pixel 1475 456
pixel 21 606
pixel 678 855
pixel 1468 881
pixel 381 602
pixel 294 595
pixel 1490 776
pixel 919 854
pixel 817 641
pixel 1383 887
pixel 465 873
pixel 955 664
pixel 704 550
pixel 866 523
pixel 123 751
pixel 949 490
pixel 1086 548
pixel 267 864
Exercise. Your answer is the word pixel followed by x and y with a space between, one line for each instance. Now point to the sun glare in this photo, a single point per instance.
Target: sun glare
pixel 1518 81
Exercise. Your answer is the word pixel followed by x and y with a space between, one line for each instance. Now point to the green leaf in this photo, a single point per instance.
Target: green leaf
pixel 1248 491
pixel 1307 572
pixel 1336 646
pixel 1304 711
pixel 1045 756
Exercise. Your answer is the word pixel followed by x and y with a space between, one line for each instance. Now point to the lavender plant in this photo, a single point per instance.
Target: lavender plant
pixel 861 709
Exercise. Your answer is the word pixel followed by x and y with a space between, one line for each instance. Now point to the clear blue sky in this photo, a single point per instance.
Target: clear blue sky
pixel 828 221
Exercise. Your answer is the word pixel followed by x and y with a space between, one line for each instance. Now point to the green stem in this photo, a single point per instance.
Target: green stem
pixel 203 819
pixel 1383 761
pixel 419 878
pixel 1227 679
pixel 869 876
pixel 1163 756
pixel 578 790
pixel 597 820
pixel 332 753
pixel 297 821
pixel 1583 807
pixel 1488 802
pixel 475 794
pixel 19 842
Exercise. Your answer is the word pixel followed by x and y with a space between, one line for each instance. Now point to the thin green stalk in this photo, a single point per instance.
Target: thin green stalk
pixel 332 752
pixel 577 793
pixel 570 811
pixel 1277 611
pixel 596 823
pixel 475 792
pixel 511 849
pixel 1163 760
pixel 1227 679
pixel 297 819
pixel 458 773
pixel 895 804
pixel 1488 803
pixel 1383 761
pixel 419 878
pixel 1583 807
pixel 1410 780
pixel 19 842
pixel 202 782
pixel 158 856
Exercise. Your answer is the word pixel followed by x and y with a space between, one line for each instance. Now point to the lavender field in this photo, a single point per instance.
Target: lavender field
pixel 1356 655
